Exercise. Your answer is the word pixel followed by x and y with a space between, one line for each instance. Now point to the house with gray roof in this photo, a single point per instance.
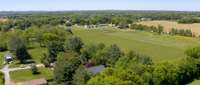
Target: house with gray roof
pixel 96 69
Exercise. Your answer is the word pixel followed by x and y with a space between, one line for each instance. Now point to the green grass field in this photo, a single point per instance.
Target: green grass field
pixel 23 75
pixel 159 47
pixel 196 82
pixel 37 54
pixel 2 54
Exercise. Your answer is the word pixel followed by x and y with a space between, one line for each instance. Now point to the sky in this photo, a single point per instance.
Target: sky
pixel 64 5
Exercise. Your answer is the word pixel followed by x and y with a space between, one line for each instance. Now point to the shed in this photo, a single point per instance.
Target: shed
pixel 8 57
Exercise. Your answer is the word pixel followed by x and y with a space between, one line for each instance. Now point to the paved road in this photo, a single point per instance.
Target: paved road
pixel 6 71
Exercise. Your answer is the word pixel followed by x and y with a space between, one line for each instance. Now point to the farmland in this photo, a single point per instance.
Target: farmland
pixel 3 20
pixel 168 25
pixel 143 42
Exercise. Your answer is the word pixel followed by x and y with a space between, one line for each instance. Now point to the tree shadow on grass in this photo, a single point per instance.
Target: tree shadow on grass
pixel 36 73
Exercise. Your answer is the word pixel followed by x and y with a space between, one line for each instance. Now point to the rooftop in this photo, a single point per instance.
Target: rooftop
pixel 96 69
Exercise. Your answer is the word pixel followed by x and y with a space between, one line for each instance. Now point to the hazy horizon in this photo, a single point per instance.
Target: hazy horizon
pixel 78 5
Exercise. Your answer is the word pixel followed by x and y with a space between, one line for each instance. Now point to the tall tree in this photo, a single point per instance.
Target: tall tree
pixel 54 47
pixel 17 45
pixel 74 44
pixel 81 76
pixel 65 67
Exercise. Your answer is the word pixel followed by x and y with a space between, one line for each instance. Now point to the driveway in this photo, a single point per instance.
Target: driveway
pixel 6 71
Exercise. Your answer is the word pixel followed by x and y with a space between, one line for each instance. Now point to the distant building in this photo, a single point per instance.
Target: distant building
pixel 8 58
pixel 96 69
pixel 145 19
pixel 34 82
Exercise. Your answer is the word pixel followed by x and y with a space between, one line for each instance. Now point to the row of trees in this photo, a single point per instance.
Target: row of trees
pixel 181 32
pixel 159 29
pixel 189 20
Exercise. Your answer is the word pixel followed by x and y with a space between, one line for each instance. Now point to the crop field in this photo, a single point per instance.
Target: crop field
pixel 159 47
pixel 3 20
pixel 172 24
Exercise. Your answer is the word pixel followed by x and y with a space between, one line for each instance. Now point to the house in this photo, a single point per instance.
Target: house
pixel 145 19
pixel 8 58
pixel 96 69
pixel 34 82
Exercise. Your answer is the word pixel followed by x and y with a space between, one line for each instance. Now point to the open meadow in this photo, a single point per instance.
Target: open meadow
pixel 168 25
pixel 159 47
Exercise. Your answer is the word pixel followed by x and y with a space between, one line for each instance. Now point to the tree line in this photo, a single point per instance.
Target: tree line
pixel 160 30
pixel 189 20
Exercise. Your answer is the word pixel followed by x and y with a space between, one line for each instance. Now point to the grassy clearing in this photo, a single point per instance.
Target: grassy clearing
pixel 2 58
pixel 36 54
pixel 196 82
pixel 168 25
pixel 159 47
pixel 24 75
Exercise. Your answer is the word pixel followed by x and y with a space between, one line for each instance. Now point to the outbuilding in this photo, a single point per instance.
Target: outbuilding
pixel 96 69
pixel 8 58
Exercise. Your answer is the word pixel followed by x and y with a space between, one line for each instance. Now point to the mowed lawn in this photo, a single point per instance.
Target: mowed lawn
pixel 36 54
pixel 159 47
pixel 24 75
pixel 2 54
